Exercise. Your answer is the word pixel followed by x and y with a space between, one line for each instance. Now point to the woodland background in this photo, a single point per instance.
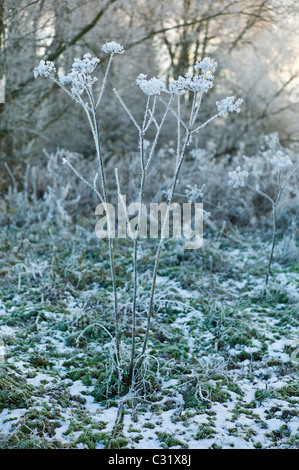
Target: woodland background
pixel 254 42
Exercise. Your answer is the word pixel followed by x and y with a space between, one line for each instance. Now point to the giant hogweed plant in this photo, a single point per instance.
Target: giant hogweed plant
pixel 79 85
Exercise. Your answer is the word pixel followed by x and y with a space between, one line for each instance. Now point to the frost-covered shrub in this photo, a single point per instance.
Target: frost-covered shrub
pixel 284 169
pixel 44 195
pixel 287 250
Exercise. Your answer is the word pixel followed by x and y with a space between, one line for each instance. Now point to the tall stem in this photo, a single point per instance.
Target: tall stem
pixel 272 247
pixel 158 253
pixel 97 141
pixel 135 251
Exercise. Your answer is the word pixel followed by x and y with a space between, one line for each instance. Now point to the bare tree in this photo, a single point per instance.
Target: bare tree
pixel 159 36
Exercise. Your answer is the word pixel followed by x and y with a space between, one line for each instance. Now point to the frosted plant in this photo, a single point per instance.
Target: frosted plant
pixel 79 85
pixel 237 178
pixel 193 192
pixel 113 48
pixel 80 77
pixel 287 249
pixel 198 84
pixel 207 64
pixel 56 199
pixel 30 268
pixel 228 105
pixel 81 80
pixel 153 86
pixel 44 69
pixel 280 161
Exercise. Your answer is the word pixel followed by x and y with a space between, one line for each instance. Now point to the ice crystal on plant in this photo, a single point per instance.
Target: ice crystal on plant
pixel 113 47
pixel 80 76
pixel 178 87
pixel 198 83
pixel 237 178
pixel 193 192
pixel 44 69
pixel 207 64
pixel 153 86
pixel 281 160
pixel 85 65
pixel 195 83
pixel 167 193
pixel 228 105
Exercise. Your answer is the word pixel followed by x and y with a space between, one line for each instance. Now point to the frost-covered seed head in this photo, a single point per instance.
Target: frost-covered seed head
pixel 237 178
pixel 86 65
pixel 207 65
pixel 80 76
pixel 153 86
pixel 193 192
pixel 178 87
pixel 281 160
pixel 44 69
pixel 198 83
pixel 228 105
pixel 113 47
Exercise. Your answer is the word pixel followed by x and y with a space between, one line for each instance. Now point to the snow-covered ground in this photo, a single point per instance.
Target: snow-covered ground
pixel 222 364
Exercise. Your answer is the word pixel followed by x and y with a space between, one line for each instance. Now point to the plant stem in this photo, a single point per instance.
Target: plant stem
pixel 158 253
pixel 135 250
pixel 272 247
pixel 97 141
pixel 274 216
